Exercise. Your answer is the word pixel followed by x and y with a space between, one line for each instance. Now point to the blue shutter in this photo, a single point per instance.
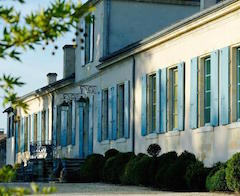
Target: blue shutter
pixel 32 128
pixel 47 126
pixel 91 120
pixel 110 113
pixel 126 109
pixel 99 116
pixel 158 100
pixel 194 94
pixel 181 96
pixel 114 112
pixel 54 132
pixel 64 114
pixel 224 85
pixel 22 135
pixel 81 131
pixel 144 106
pixel 73 122
pixel 163 118
pixel 29 131
pixel 39 131
pixel 214 88
pixel 16 138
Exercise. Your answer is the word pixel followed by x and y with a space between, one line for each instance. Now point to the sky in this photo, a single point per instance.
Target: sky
pixel 35 64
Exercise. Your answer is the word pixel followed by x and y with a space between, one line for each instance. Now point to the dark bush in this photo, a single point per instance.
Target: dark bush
pixel 111 153
pixel 128 176
pixel 233 173
pixel 114 167
pixel 154 150
pixel 174 176
pixel 163 163
pixel 139 171
pixel 195 176
pixel 91 171
pixel 216 180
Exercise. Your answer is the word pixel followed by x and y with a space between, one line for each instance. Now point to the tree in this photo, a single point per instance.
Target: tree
pixel 21 33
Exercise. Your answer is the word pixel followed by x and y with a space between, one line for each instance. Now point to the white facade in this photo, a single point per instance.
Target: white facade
pixel 95 115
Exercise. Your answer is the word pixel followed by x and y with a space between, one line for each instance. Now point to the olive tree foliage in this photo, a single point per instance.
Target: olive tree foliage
pixel 19 33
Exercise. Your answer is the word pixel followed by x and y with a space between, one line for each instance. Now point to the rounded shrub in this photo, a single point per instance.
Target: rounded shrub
pixel 163 163
pixel 110 153
pixel 174 176
pixel 114 167
pixel 91 171
pixel 233 173
pixel 154 150
pixel 216 180
pixel 195 176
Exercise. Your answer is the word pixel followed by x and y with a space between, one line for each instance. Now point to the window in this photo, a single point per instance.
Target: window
pixel 43 126
pixel 120 113
pixel 207 90
pixel 238 83
pixel 69 125
pixel 35 128
pixel 26 134
pixel 105 114
pixel 151 103
pixel 174 98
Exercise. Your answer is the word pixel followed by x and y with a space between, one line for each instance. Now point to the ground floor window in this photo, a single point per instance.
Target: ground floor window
pixel 105 114
pixel 120 111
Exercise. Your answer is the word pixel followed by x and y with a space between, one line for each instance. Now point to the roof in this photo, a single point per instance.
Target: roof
pixel 50 87
pixel 129 50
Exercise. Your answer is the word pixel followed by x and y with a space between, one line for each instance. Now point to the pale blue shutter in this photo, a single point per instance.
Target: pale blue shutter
pixel 144 106
pixel 16 138
pixel 39 131
pixel 163 118
pixel 29 131
pixel 54 132
pixel 114 111
pixel 22 135
pixel 181 95
pixel 224 85
pixel 194 94
pixel 32 128
pixel 47 127
pixel 158 100
pixel 99 116
pixel 81 131
pixel 64 127
pixel 110 113
pixel 91 120
pixel 214 88
pixel 73 122
pixel 126 109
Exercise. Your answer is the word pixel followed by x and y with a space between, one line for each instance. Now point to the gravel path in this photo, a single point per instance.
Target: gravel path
pixel 106 189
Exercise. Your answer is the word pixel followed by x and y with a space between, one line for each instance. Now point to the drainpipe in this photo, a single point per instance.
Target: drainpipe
pixel 133 102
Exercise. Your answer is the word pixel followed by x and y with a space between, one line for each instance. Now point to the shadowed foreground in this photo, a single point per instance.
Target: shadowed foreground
pixel 104 189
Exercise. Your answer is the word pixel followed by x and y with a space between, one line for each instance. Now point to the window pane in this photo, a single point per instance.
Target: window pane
pixel 207 115
pixel 207 99
pixel 207 83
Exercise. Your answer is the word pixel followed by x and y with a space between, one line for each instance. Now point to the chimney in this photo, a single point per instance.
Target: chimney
pixel 51 78
pixel 207 3
pixel 68 60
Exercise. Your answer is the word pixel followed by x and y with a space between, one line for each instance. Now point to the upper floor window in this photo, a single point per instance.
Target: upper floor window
pixel 151 103
pixel 87 40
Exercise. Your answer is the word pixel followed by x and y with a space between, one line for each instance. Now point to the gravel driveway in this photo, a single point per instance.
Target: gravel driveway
pixel 106 189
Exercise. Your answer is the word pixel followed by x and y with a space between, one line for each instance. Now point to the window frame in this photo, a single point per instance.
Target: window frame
pixel 174 98
pixel 104 114
pixel 207 91
pixel 237 82
pixel 120 117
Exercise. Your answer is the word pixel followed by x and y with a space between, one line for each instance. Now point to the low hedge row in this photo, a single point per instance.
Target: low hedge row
pixel 166 172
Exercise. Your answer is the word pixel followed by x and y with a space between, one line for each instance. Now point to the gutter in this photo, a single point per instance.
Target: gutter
pixel 170 32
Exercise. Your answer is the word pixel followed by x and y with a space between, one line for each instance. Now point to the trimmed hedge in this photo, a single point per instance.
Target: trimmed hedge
pixel 139 171
pixel 114 167
pixel 111 153
pixel 195 176
pixel 174 175
pixel 233 173
pixel 91 171
pixel 7 174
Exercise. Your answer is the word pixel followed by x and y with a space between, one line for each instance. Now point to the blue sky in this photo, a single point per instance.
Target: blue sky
pixel 35 64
